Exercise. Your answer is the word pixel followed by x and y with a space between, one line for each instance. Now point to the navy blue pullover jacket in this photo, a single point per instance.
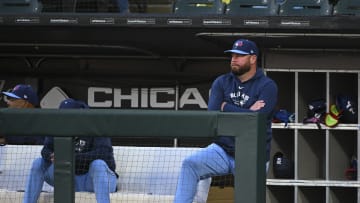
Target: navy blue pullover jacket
pixel 87 149
pixel 239 97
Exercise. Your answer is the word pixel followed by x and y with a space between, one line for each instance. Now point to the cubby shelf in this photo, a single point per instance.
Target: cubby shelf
pixel 322 183
pixel 320 156
pixel 314 126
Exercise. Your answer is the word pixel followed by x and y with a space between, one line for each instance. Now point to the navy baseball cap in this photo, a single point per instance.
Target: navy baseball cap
pixel 244 47
pixel 73 104
pixel 25 92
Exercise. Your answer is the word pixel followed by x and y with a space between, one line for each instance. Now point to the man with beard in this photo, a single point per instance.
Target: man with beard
pixel 244 89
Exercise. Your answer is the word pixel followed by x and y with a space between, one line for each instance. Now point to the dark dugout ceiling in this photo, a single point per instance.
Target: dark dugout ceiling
pixel 156 36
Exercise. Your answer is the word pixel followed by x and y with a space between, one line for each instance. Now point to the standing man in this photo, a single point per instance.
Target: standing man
pixel 22 96
pixel 94 165
pixel 244 89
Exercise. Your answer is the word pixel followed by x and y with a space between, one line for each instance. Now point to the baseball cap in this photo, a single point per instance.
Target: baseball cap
pixel 73 104
pixel 245 47
pixel 22 91
pixel 348 106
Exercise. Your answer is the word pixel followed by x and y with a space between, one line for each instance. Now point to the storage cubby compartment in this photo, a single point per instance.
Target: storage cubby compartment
pixel 343 194
pixel 311 154
pixel 322 155
pixel 283 141
pixel 342 147
pixel 279 194
pixel 286 89
pixel 312 194
pixel 345 84
pixel 311 86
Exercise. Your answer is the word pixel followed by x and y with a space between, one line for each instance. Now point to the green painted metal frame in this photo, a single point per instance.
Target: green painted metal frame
pixel 248 128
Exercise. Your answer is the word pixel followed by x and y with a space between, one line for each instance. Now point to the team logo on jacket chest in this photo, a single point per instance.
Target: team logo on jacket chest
pixel 239 98
pixel 80 145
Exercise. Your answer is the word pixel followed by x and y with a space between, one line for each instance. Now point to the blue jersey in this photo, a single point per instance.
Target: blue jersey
pixel 87 149
pixel 239 97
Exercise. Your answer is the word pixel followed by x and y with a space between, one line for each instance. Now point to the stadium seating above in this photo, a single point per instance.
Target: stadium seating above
pixel 252 8
pixel 79 6
pixel 20 6
pixel 145 32
pixel 199 7
pixel 348 7
pixel 305 8
pixel 151 6
pixel 189 7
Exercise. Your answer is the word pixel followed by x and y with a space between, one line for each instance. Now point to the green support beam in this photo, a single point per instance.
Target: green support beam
pixel 248 129
pixel 250 170
pixel 64 166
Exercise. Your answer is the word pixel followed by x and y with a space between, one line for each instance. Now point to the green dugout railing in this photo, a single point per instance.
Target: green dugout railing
pixel 248 128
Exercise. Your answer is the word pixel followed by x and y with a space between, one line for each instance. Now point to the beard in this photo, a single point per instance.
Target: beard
pixel 239 71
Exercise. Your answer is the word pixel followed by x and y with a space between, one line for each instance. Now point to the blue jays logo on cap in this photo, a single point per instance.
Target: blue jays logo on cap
pixel 237 44
pixel 244 47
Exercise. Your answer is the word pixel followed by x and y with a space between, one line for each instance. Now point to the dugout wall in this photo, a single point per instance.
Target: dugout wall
pixel 167 62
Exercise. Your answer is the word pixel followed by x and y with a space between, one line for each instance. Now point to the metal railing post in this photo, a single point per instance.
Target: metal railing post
pixel 64 169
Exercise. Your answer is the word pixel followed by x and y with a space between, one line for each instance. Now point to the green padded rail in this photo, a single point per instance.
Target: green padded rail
pixel 248 129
